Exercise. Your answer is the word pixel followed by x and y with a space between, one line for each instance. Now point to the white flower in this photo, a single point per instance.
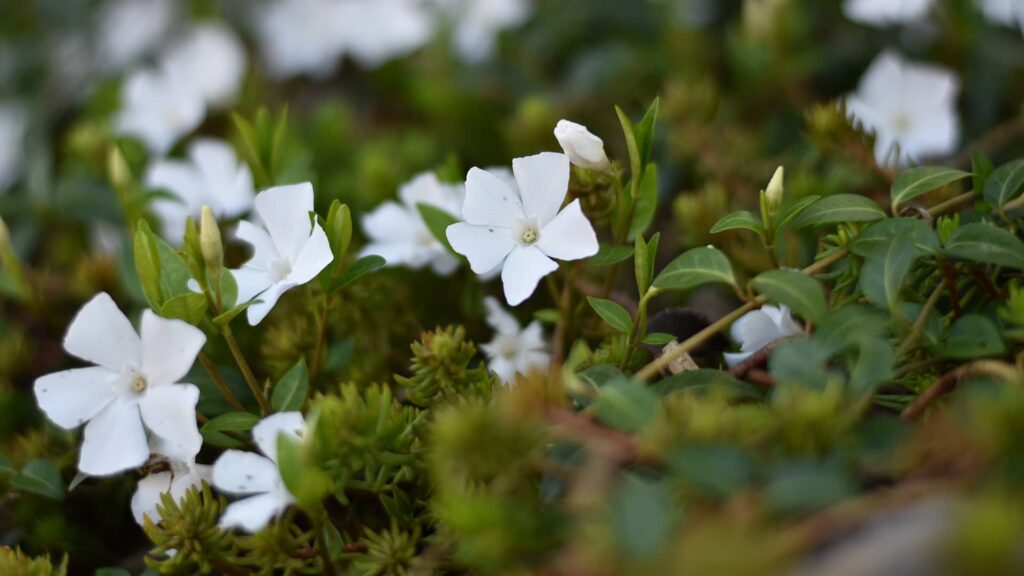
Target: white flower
pixel 398 233
pixel 477 23
pixel 907 104
pixel 300 37
pixel 521 228
pixel 133 384
pixel 130 29
pixel 157 110
pixel 209 60
pixel 1005 12
pixel 886 12
pixel 212 176
pixel 13 126
pixel 249 474
pixel 757 329
pixel 583 148
pixel 380 30
pixel 513 350
pixel 286 251
pixel 176 482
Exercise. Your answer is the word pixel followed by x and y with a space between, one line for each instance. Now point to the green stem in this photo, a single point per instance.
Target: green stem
pixel 222 386
pixel 321 339
pixel 953 203
pixel 321 545
pixel 243 365
pixel 639 328
pixel 922 318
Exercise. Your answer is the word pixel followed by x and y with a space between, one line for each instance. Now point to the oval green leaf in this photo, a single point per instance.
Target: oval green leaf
pixel 797 290
pixel 922 180
pixel 739 220
pixel 986 244
pixel 840 208
pixel 694 268
pixel 613 314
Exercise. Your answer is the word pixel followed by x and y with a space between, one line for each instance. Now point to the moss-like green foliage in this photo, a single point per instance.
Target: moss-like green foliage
pixel 441 368
pixel 14 562
pixel 187 539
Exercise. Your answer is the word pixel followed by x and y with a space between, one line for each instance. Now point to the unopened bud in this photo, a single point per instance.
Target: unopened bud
pixel 210 242
pixel 583 148
pixel 773 193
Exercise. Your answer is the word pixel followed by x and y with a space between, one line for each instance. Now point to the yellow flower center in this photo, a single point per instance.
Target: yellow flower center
pixel 529 235
pixel 139 384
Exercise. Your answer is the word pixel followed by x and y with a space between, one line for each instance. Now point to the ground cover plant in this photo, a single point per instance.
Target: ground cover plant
pixel 511 287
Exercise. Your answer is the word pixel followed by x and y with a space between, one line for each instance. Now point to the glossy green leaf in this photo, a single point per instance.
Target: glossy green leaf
pixel 437 221
pixel 40 477
pixel 357 270
pixel 1005 183
pixel 884 273
pixel 290 391
pixel 626 405
pixel 794 209
pixel 643 264
pixel 613 314
pixel 921 180
pixel 875 239
pixel 986 244
pixel 839 208
pixel 308 483
pixel 657 339
pixel 694 268
pixel 147 265
pixel 339 230
pixel 646 203
pixel 803 294
pixel 973 336
pixel 608 254
pixel 190 307
pixel 739 220
pixel 228 430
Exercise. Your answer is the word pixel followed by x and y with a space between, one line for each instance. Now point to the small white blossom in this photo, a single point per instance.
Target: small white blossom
pixel 399 234
pixel 208 60
pixel 13 126
pixel 287 252
pixel 132 388
pixel 129 30
pixel 521 228
pixel 583 148
pixel 300 37
pixel 211 176
pixel 1005 12
pixel 157 110
pixel 909 105
pixel 513 350
pixel 256 476
pixel 176 482
pixel 757 329
pixel 886 12
pixel 477 23
pixel 377 31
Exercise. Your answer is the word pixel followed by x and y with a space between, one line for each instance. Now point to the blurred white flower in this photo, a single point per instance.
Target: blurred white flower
pixel 521 229
pixel 249 474
pixel 477 23
pixel 513 350
pixel 757 329
pixel 157 110
pixel 886 12
pixel 176 482
pixel 907 104
pixel 300 37
pixel 1005 12
pixel 211 176
pixel 380 30
pixel 287 252
pixel 208 60
pixel 13 126
pixel 133 385
pixel 129 30
pixel 583 148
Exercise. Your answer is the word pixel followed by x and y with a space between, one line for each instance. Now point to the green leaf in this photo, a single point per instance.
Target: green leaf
pixel 78 479
pixel 227 316
pixel 613 314
pixel 847 325
pixel 631 145
pixel 339 230
pixel 147 265
pixel 872 367
pixel 794 209
pixel 215 432
pixel 308 483
pixel 717 470
pixel 174 273
pixel 646 203
pixel 608 254
pixel 39 477
pixel 705 380
pixel 190 307
pixel 643 263
pixel 884 273
pixel 839 208
pixel 643 516
pixel 922 180
pixel 875 239
pixel 986 244
pixel 982 168
pixel 626 405
pixel 797 290
pixel 739 220
pixel 645 133
pixel 805 487
pixel 600 374
pixel 437 221
pixel 694 268
pixel 657 339
pixel 290 391
pixel 357 270
pixel 112 572
pixel 973 336
pixel 799 362
pixel 1005 183
pixel 339 354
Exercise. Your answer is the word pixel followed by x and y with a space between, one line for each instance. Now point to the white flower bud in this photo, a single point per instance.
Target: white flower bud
pixel 773 192
pixel 583 148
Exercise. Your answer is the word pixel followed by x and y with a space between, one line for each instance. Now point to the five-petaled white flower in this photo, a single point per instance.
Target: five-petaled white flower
pixel 583 148
pixel 212 176
pixel 176 482
pixel 398 232
pixel 1005 12
pixel 759 328
pixel 886 12
pixel 129 30
pixel 287 251
pixel 521 228
pixel 377 31
pixel 156 111
pixel 477 23
pixel 300 37
pixel 133 388
pixel 513 350
pixel 909 105
pixel 249 474
pixel 12 135
pixel 208 60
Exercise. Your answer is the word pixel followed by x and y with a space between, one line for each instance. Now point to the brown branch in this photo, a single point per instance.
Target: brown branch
pixel 947 382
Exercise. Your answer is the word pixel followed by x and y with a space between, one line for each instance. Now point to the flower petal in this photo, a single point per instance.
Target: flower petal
pixel 252 514
pixel 147 496
pixel 267 300
pixel 169 412
pixel 265 433
pixel 490 202
pixel 569 236
pixel 229 183
pixel 733 359
pixel 524 268
pixel 499 318
pixel 251 283
pixel 114 440
pixel 237 472
pixel 314 257
pixel 543 182
pixel 169 348
pixel 264 250
pixel 754 330
pixel 484 246
pixel 71 397
pixel 285 210
pixel 102 334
